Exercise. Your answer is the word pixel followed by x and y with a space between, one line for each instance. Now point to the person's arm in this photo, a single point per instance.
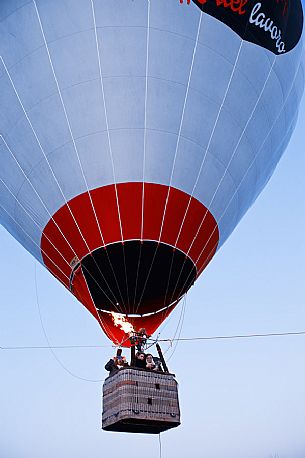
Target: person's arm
pixel 109 365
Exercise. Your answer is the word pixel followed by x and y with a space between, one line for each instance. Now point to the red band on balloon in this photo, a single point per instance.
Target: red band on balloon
pixel 169 215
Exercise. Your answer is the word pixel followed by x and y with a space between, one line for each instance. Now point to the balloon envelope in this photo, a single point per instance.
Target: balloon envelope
pixel 135 135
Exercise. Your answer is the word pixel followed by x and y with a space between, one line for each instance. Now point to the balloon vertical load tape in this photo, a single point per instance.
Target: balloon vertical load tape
pixel 140 401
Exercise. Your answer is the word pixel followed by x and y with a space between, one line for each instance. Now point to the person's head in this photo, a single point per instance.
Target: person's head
pixel 149 359
pixel 140 355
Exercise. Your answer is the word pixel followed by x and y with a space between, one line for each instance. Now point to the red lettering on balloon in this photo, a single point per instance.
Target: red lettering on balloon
pixel 237 6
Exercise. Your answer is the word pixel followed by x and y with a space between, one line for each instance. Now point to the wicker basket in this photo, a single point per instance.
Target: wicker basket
pixel 140 401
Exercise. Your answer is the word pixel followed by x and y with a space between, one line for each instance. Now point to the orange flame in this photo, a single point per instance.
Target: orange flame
pixel 121 322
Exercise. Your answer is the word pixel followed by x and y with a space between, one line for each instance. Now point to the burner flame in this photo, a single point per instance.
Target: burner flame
pixel 121 322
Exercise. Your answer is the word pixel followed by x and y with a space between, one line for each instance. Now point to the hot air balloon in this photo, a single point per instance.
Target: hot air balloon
pixel 136 134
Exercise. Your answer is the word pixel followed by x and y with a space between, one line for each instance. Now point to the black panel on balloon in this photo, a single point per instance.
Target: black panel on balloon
pixel 139 277
pixel 273 24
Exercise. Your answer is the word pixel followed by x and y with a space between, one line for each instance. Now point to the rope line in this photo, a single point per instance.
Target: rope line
pixel 51 349
pixel 180 330
pixel 177 327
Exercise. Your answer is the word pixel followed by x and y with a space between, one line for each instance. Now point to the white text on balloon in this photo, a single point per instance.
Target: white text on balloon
pixel 266 23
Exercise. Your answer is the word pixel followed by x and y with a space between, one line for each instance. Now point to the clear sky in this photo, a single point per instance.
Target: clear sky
pixel 239 398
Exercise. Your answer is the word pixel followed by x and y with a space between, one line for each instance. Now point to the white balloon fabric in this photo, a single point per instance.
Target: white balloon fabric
pixel 135 134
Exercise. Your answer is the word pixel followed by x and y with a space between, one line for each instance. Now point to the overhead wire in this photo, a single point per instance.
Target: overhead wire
pixel 235 336
pixel 180 339
pixel 55 347
pixel 158 339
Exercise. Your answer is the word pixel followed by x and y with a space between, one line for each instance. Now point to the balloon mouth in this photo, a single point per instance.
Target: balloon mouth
pixel 119 330
pixel 133 277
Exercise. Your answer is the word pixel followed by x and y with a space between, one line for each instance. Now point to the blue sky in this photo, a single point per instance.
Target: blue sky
pixel 239 398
